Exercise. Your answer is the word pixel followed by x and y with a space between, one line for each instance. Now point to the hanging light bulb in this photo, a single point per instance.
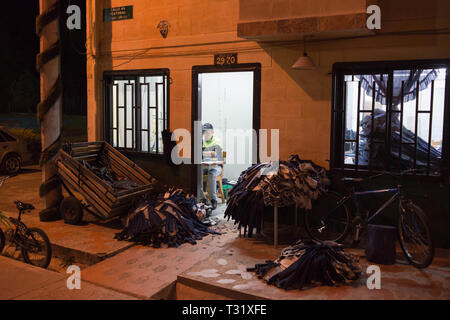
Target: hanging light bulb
pixel 304 62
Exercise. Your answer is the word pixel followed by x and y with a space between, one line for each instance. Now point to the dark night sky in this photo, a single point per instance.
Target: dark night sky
pixel 19 80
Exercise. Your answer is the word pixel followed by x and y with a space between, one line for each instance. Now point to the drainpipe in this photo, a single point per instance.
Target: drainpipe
pixel 49 110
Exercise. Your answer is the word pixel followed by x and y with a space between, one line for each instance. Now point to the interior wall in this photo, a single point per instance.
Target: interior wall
pixel 227 103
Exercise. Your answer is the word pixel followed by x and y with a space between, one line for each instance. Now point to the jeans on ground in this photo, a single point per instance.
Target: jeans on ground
pixel 212 172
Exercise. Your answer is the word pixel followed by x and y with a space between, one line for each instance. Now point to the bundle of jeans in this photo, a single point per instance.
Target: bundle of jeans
pixel 292 182
pixel 119 183
pixel 308 263
pixel 101 167
pixel 172 217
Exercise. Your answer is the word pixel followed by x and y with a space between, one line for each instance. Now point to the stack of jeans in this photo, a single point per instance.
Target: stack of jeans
pixel 101 167
pixel 308 263
pixel 292 182
pixel 172 217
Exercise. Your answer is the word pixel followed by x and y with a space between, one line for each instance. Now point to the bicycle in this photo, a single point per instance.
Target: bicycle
pixel 33 242
pixel 323 223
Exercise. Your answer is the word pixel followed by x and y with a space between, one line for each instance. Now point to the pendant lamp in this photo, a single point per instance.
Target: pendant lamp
pixel 304 62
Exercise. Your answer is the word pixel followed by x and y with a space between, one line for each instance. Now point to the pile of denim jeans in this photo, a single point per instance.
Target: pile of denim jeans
pixel 101 167
pixel 173 217
pixel 292 182
pixel 308 263
pixel 119 183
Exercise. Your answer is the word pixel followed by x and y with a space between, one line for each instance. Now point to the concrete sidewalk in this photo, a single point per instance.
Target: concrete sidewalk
pixel 20 281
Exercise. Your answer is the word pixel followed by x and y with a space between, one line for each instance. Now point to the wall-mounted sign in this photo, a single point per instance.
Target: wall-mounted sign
pixel 118 13
pixel 225 59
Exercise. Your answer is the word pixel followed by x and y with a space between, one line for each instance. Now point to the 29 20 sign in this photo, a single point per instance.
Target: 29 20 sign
pixel 225 59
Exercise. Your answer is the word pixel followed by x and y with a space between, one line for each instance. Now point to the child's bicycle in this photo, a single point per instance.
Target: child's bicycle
pixel 34 243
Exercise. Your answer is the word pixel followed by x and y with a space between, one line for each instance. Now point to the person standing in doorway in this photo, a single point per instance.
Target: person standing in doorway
pixel 212 153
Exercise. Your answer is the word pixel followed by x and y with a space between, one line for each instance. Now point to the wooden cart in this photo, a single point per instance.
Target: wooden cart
pixel 103 201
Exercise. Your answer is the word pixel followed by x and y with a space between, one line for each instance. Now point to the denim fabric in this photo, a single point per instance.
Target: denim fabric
pixel 309 263
pixel 294 181
pixel 172 217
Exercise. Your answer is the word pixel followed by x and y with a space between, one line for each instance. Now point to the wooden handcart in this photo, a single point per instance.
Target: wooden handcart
pixel 101 199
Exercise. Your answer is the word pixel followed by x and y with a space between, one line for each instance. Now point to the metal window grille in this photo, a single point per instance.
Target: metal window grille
pixel 136 110
pixel 402 129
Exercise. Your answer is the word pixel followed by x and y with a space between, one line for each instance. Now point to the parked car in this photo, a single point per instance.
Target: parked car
pixel 13 152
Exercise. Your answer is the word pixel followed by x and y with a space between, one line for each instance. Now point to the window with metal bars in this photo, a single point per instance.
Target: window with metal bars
pixel 136 109
pixel 391 116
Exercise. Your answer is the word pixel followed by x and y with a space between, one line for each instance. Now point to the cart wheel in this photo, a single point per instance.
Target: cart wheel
pixel 71 210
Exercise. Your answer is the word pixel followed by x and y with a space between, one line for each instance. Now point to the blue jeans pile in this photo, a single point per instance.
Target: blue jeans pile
pixel 308 263
pixel 172 217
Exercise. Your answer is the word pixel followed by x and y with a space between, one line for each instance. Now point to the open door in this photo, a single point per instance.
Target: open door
pixel 228 97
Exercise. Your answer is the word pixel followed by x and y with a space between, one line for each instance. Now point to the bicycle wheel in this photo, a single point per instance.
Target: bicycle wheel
pixel 2 240
pixel 37 249
pixel 414 235
pixel 326 220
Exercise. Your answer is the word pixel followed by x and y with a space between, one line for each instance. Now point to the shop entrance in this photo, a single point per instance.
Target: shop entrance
pixel 227 98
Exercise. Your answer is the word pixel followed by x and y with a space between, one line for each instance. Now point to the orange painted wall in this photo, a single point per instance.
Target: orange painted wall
pixel 296 102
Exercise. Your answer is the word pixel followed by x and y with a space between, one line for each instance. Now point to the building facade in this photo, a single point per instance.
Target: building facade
pixel 268 37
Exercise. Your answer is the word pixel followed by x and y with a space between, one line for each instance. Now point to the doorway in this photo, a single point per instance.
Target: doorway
pixel 228 97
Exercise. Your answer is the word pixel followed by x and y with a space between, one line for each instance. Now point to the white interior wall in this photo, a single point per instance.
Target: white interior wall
pixel 227 103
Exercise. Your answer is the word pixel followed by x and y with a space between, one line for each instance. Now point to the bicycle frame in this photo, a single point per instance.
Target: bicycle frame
pixel 18 228
pixel 397 194
pixel 355 195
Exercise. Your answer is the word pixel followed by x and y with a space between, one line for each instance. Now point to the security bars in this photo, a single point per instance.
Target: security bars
pixel 390 116
pixel 136 110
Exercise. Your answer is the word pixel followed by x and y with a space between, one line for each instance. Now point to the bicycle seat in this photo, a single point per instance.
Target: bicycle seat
pixel 22 206
pixel 352 180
